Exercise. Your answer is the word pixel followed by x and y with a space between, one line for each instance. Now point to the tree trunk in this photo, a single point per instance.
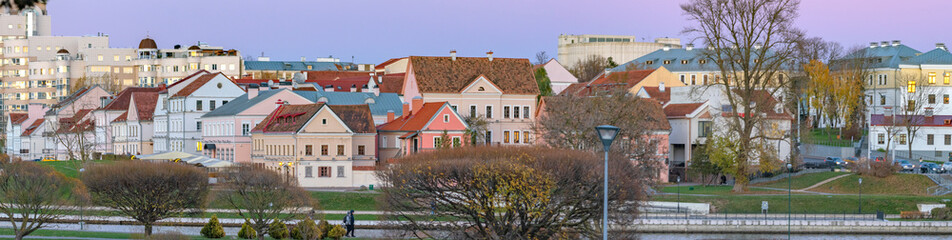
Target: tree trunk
pixel 19 236
pixel 148 229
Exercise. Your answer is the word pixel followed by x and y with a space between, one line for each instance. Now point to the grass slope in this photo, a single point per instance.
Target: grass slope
pixel 813 204
pixel 897 184
pixel 802 181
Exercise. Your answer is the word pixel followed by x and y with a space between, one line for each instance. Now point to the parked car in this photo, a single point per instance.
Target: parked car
pixel 906 166
pixel 879 159
pixel 851 160
pixel 834 161
pixel 946 167
pixel 928 167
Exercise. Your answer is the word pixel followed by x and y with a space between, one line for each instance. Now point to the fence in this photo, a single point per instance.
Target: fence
pixel 803 215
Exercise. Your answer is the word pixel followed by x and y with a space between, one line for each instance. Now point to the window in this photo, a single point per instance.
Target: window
pixel 525 112
pixel 931 98
pixel 340 150
pixel 99 58
pixel 930 139
pixel 682 79
pixel 489 137
pixel 224 102
pixel 454 108
pixel 515 136
pixel 911 105
pixel 198 105
pixel 489 111
pixel 693 79
pixel 684 61
pixel 505 112
pixel 515 112
pixel 911 86
pixel 881 138
pixel 666 62
pixel 945 78
pixel 308 172
pixel 525 137
pixel 383 142
pixel 472 110
pixel 882 99
pixel 360 150
pixel 308 150
pixel 931 78
pixel 948 139
pixel 198 126
pixel 211 105
pixel 902 138
pixel 446 118
pixel 505 136
pixel 340 171
pixel 437 142
pixel 324 172
pixel 704 128
pixel 323 150
pixel 456 142
pixel 245 128
pixel 324 121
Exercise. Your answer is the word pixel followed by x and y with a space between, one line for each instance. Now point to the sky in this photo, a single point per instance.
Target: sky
pixel 372 31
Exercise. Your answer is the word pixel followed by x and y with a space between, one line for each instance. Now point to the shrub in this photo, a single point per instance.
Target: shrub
pixel 876 169
pixel 278 230
pixel 910 214
pixel 306 229
pixel 941 213
pixel 324 227
pixel 213 229
pixel 246 231
pixel 337 232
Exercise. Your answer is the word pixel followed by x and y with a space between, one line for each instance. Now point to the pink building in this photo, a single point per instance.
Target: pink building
pixel 421 128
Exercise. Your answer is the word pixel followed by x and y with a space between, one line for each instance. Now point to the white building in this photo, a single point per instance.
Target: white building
pixel 620 48
pixel 179 108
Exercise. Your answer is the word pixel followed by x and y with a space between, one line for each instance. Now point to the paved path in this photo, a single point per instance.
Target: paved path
pixel 824 182
pixel 50 237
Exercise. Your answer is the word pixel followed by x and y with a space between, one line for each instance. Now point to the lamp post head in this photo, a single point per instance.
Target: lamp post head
pixel 280 163
pixel 607 134
pixel 789 166
pixel 678 180
pixel 860 180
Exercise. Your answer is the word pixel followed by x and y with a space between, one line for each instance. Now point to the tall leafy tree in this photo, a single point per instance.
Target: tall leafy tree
pixel 543 81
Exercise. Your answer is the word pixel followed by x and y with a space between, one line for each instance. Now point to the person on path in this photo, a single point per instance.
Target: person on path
pixel 349 224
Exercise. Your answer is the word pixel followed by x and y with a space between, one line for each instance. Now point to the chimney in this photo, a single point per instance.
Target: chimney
pixel 353 88
pixel 489 55
pixel 872 45
pixel 278 103
pixel 390 116
pixel 36 111
pixel 416 104
pixel 758 45
pixel 329 88
pixel 380 78
pixel 884 44
pixel 666 47
pixel 406 110
pixel 689 47
pixel 928 112
pixel 888 111
pixel 896 43
pixel 303 59
pixel 940 46
pixel 661 86
pixel 252 90
pixel 453 55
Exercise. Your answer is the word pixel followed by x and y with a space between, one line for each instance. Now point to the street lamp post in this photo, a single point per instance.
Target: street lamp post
pixel 860 196
pixel 789 199
pixel 678 187
pixel 607 134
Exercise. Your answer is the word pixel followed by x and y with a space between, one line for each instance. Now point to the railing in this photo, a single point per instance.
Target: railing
pixel 797 215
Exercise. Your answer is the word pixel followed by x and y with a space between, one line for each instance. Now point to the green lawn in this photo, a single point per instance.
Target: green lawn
pixel 360 201
pixel 902 184
pixel 63 233
pixel 820 137
pixel 710 190
pixel 817 204
pixel 68 168
pixel 802 181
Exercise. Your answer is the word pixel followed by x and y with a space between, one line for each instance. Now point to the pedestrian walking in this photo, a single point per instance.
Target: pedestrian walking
pixel 349 224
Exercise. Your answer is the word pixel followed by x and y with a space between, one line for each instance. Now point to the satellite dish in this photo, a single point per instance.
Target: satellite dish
pixel 298 77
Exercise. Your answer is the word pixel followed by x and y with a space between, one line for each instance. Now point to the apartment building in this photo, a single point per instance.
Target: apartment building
pixel 620 48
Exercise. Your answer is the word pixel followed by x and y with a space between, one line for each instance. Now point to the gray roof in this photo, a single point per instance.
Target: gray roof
pixel 293 65
pixel 675 56
pixel 889 56
pixel 936 56
pixel 379 105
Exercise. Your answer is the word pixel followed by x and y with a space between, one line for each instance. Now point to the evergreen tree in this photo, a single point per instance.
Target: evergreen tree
pixel 213 229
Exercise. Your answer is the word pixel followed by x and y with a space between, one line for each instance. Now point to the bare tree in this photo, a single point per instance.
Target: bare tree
pixel 751 43
pixel 920 97
pixel 478 125
pixel 32 195
pixel 509 192
pixel 589 68
pixel 107 81
pixel 541 57
pixel 261 196
pixel 147 192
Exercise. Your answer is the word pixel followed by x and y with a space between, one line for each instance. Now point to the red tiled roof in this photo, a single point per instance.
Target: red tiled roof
pixel 291 118
pixel 199 72
pixel 72 97
pixel 364 168
pixel 614 80
pixel 333 75
pixel 656 94
pixel 198 83
pixel 444 75
pixel 36 124
pixel 680 110
pixel 145 104
pixel 69 124
pixel 392 83
pixel 416 121
pixel 18 118
pixel 121 102
pixel 122 117
pixel 246 81
pixel 658 121
pixel 388 62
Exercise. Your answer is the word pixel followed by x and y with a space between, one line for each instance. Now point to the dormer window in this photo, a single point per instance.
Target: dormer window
pixel 684 61
pixel 667 62
pixel 649 62
pixel 481 89
pixel 702 61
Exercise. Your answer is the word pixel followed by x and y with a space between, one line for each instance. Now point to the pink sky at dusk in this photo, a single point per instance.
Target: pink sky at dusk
pixel 373 31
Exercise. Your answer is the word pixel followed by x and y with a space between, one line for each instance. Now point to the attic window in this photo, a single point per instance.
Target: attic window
pixel 446 118
pixel 667 62
pixel 649 62
pixel 684 61
pixel 948 122
pixel 219 85
pixel 482 89
pixel 324 121
pixel 702 61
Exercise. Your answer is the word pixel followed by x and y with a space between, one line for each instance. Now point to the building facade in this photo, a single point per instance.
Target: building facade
pixel 620 48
